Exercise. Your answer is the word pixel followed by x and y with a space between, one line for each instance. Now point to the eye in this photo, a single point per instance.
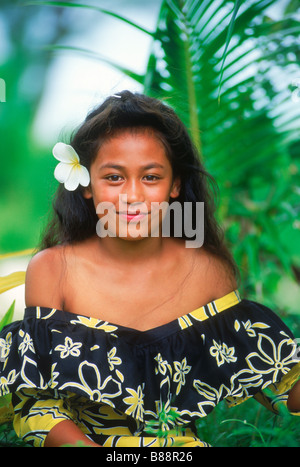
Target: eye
pixel 113 178
pixel 151 178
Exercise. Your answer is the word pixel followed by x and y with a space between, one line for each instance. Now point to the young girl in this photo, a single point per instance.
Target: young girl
pixel 129 336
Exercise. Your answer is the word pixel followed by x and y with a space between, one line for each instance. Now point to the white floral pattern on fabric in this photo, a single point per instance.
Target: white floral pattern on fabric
pixel 271 355
pixel 163 365
pixel 181 369
pixel 135 402
pixel 113 360
pixel 6 382
pixel 222 353
pixel 5 347
pixel 162 379
pixel 26 344
pixel 69 348
pixel 94 323
pixel 92 385
pixel 249 327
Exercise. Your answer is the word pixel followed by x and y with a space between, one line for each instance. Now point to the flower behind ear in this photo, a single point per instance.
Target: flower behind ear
pixel 69 171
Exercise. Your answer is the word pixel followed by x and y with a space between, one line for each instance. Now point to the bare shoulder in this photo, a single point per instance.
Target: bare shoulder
pixel 43 278
pixel 216 274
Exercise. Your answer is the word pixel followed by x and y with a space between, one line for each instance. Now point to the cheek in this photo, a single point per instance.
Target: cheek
pixel 160 193
pixel 101 192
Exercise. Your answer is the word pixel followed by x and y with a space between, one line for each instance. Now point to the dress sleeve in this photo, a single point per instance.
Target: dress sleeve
pixel 36 412
pixel 274 397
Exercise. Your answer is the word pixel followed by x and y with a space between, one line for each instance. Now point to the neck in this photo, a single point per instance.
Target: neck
pixel 130 252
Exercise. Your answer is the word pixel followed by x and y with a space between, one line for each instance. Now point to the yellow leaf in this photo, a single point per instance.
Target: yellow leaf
pixel 11 281
pixel 6 414
pixel 28 252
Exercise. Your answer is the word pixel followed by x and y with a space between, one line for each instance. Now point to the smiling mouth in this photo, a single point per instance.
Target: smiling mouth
pixel 132 215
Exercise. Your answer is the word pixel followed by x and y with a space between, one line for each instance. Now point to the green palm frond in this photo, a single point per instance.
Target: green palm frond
pixel 126 71
pixel 220 65
pixel 210 50
pixel 88 7
pixel 8 316
pixel 11 280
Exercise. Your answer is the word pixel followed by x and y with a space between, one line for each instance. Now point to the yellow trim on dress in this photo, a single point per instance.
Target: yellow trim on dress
pixel 211 309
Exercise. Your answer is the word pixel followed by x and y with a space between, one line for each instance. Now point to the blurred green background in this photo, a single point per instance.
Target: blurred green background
pixel 229 68
pixel 48 93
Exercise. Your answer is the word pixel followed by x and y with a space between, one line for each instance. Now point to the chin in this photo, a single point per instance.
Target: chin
pixel 138 236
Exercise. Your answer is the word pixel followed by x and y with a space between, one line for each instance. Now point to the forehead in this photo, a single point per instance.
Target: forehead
pixel 134 144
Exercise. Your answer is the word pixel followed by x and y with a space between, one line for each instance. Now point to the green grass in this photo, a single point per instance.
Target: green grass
pixel 250 425
pixel 8 437
pixel 247 425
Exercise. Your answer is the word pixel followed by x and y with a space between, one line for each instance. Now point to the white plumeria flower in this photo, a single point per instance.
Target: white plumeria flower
pixel 69 171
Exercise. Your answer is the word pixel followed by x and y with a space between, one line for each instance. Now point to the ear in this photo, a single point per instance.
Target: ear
pixel 87 192
pixel 175 191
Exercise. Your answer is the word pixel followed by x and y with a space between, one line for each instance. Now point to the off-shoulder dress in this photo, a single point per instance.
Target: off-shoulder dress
pixel 124 387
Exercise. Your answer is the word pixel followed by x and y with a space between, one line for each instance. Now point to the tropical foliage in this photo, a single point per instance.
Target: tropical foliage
pixel 231 71
pixel 8 282
pixel 221 64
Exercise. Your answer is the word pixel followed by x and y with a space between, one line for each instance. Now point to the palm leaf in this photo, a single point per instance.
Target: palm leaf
pixel 8 317
pixel 95 55
pixel 208 52
pixel 16 254
pixel 12 280
pixel 126 71
pixel 89 7
pixel 228 38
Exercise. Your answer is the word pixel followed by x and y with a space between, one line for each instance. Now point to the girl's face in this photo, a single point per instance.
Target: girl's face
pixel 131 171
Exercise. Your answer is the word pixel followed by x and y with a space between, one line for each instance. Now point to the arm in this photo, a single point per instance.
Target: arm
pixel 44 286
pixel 67 432
pixel 293 402
pixel 43 419
pixel 44 283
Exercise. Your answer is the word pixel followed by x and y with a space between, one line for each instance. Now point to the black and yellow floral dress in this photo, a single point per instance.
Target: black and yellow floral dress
pixel 124 387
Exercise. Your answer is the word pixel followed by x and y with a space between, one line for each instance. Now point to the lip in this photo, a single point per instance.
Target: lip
pixel 133 216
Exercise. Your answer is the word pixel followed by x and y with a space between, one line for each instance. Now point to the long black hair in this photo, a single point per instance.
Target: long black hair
pixel 74 218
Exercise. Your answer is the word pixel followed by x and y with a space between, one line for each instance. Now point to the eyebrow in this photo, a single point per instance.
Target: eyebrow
pixel 110 165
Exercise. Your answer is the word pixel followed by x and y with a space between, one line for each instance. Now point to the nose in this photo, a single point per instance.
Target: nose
pixel 134 192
